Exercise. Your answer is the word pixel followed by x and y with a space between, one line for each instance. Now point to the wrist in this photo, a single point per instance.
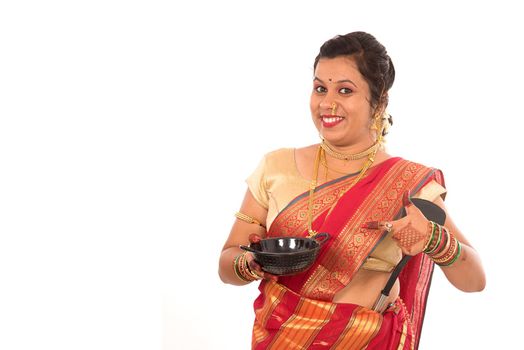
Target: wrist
pixel 242 270
pixel 442 247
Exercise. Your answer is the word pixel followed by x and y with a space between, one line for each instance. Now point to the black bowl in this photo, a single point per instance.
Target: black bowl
pixel 283 256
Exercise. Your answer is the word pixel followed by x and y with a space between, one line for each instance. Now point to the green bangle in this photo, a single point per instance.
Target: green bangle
pixel 459 249
pixel 236 269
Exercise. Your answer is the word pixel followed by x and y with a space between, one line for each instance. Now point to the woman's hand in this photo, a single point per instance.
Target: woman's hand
pixel 411 233
pixel 253 265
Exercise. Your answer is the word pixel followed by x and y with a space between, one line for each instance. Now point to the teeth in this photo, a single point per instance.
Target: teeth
pixel 331 119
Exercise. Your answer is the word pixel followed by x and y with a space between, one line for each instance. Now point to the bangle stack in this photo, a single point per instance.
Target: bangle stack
pixel 443 248
pixel 242 270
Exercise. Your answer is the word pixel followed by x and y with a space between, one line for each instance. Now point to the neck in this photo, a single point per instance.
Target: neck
pixel 350 152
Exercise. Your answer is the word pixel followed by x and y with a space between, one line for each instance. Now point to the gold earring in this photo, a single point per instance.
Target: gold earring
pixel 378 118
pixel 375 124
pixel 333 108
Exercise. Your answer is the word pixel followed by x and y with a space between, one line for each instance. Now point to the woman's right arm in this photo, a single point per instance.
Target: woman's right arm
pixel 240 235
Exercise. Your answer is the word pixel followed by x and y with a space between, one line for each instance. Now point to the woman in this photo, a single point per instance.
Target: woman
pixel 349 187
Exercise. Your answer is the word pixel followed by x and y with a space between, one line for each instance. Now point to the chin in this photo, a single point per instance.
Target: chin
pixel 332 138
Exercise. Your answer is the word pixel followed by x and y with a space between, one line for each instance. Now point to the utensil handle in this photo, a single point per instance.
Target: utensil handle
pixel 249 249
pixel 324 236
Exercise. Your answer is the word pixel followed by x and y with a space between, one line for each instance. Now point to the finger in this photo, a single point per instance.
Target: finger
pixel 257 269
pixel 400 223
pixel 254 238
pixel 378 225
pixel 253 265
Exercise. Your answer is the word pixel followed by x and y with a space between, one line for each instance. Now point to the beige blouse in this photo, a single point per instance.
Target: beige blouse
pixel 276 182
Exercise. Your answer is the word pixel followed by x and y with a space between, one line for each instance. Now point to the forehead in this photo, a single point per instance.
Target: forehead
pixel 338 68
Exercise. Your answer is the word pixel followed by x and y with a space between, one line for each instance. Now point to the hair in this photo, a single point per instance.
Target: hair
pixel 372 60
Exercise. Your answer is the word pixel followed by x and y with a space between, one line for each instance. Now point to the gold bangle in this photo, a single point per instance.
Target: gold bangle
pixel 244 271
pixel 248 219
pixel 455 258
pixel 450 253
pixel 236 268
pixel 442 252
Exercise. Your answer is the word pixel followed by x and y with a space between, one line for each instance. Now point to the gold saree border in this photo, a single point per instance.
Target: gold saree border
pixel 293 220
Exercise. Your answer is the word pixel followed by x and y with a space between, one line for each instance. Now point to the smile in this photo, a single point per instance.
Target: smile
pixel 329 121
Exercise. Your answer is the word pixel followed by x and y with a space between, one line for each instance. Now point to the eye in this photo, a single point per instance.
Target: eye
pixel 320 89
pixel 345 91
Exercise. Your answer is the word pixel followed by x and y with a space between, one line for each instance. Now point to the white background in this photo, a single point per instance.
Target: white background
pixel 127 129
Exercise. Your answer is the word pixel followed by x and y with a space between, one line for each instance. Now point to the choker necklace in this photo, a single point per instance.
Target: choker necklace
pixel 347 156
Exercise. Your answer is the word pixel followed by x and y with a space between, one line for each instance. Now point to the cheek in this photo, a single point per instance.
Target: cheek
pixel 365 114
pixel 312 103
pixel 313 106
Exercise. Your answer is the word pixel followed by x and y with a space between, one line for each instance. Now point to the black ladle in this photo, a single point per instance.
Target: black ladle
pixel 433 213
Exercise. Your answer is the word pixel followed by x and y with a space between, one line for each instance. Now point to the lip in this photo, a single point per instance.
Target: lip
pixel 329 120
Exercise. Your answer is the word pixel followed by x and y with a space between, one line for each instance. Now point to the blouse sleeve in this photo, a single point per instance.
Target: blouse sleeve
pixel 434 188
pixel 431 191
pixel 256 183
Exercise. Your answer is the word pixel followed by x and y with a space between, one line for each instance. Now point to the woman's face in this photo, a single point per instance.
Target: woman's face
pixel 338 80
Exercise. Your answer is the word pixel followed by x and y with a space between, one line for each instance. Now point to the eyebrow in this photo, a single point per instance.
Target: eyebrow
pixel 339 81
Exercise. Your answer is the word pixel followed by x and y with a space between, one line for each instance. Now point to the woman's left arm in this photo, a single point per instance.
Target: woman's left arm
pixel 466 273
pixel 413 234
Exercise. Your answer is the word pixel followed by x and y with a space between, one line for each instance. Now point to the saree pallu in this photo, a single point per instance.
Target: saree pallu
pixel 304 315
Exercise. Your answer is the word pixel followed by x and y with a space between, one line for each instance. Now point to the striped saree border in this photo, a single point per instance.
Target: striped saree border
pixel 273 294
pixel 363 326
pixel 301 328
pixel 296 323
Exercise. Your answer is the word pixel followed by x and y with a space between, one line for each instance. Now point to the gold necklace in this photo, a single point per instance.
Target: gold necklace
pixel 323 161
pixel 314 183
pixel 347 156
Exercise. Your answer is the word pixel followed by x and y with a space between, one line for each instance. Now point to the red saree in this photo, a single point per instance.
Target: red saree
pixel 297 312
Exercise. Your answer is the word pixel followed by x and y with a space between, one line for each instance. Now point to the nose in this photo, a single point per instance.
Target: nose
pixel 328 105
pixel 325 103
